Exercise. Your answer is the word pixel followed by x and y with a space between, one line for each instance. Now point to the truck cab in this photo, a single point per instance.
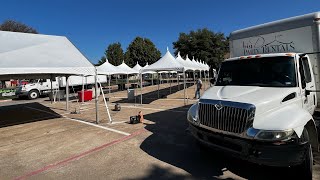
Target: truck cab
pixel 35 88
pixel 260 109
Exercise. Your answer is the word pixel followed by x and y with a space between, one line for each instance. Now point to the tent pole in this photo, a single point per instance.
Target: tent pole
pixel 105 102
pixel 67 93
pixel 184 86
pixel 170 82
pixel 158 85
pixel 141 89
pixel 127 81
pixel 178 81
pixel 96 96
pixel 51 88
pixel 82 98
pixel 109 85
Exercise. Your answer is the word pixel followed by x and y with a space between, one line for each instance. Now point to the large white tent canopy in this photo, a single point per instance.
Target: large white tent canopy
pixel 166 63
pixel 35 55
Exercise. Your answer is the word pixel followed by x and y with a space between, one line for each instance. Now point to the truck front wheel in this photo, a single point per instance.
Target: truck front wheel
pixel 33 94
pixel 307 165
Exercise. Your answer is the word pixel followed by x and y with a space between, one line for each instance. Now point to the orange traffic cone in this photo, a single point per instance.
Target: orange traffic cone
pixel 140 115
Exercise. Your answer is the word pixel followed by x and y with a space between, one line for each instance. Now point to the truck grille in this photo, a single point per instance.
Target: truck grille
pixel 226 116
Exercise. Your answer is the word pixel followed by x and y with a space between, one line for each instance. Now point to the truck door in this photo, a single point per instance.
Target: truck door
pixel 44 85
pixel 307 83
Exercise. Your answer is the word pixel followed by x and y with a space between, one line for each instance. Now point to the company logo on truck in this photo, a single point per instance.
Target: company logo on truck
pixel 259 45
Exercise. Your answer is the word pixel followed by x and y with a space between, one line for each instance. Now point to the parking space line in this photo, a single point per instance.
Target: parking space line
pixel 79 156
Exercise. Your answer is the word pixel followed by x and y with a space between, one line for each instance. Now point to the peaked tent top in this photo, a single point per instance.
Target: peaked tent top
pixel 107 68
pixel 125 69
pixel 166 63
pixel 187 65
pixel 137 67
pixel 24 55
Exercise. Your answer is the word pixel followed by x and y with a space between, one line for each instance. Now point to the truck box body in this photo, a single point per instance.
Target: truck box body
pixel 300 34
pixel 77 80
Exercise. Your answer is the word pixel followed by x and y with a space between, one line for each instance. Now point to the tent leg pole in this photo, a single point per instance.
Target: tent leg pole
pixel 51 89
pixel 184 87
pixel 178 81
pixel 67 93
pixel 170 82
pixel 109 85
pixel 105 103
pixel 127 81
pixel 158 85
pixel 141 89
pixel 96 96
pixel 82 98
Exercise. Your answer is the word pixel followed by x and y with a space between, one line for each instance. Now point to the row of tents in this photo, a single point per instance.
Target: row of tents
pixel 38 56
pixel 165 64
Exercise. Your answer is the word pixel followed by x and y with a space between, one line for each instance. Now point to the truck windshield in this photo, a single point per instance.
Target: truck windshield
pixel 266 72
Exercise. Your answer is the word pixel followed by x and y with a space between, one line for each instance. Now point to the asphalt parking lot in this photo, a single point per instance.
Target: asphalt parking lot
pixel 40 140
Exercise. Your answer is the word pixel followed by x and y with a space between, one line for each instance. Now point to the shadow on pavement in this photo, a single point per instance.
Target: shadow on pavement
pixel 25 113
pixel 173 144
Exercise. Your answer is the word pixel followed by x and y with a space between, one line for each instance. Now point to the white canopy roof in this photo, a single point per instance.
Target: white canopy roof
pixel 125 69
pixel 166 63
pixel 137 67
pixel 24 55
pixel 187 65
pixel 108 69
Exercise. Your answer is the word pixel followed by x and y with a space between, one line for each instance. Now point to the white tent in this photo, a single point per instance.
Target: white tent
pixel 24 55
pixel 137 67
pixel 166 63
pixel 108 69
pixel 187 65
pixel 125 69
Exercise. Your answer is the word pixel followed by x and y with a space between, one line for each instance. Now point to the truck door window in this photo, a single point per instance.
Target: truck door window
pixel 302 74
pixel 306 69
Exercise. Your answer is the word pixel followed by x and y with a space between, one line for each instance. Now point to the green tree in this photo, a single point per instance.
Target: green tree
pixel 203 44
pixel 101 61
pixel 143 51
pixel 115 54
pixel 14 26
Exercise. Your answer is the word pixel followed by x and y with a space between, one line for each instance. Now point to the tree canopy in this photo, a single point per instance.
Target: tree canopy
pixel 14 26
pixel 114 54
pixel 143 51
pixel 203 44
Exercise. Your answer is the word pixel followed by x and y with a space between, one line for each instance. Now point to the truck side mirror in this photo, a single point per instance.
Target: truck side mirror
pixel 212 81
pixel 307 92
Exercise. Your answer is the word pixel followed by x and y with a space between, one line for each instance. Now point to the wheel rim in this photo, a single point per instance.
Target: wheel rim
pixel 33 95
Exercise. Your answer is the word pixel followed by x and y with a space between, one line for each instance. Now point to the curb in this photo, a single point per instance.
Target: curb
pixel 7 100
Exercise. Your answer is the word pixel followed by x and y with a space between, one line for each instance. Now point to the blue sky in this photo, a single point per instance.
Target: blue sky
pixel 94 24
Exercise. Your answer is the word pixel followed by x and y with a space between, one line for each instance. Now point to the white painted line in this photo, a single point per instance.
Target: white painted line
pixel 102 127
pixel 81 121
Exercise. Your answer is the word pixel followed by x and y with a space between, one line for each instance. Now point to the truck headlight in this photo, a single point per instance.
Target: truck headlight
pixel 193 114
pixel 269 135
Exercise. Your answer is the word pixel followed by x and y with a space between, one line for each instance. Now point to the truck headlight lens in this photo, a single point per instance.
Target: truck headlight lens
pixel 193 114
pixel 270 135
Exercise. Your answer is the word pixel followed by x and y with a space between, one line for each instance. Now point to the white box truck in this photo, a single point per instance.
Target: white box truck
pixel 261 105
pixel 37 87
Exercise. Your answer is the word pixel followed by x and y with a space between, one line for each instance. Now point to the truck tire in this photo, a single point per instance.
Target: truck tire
pixel 306 167
pixel 33 94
